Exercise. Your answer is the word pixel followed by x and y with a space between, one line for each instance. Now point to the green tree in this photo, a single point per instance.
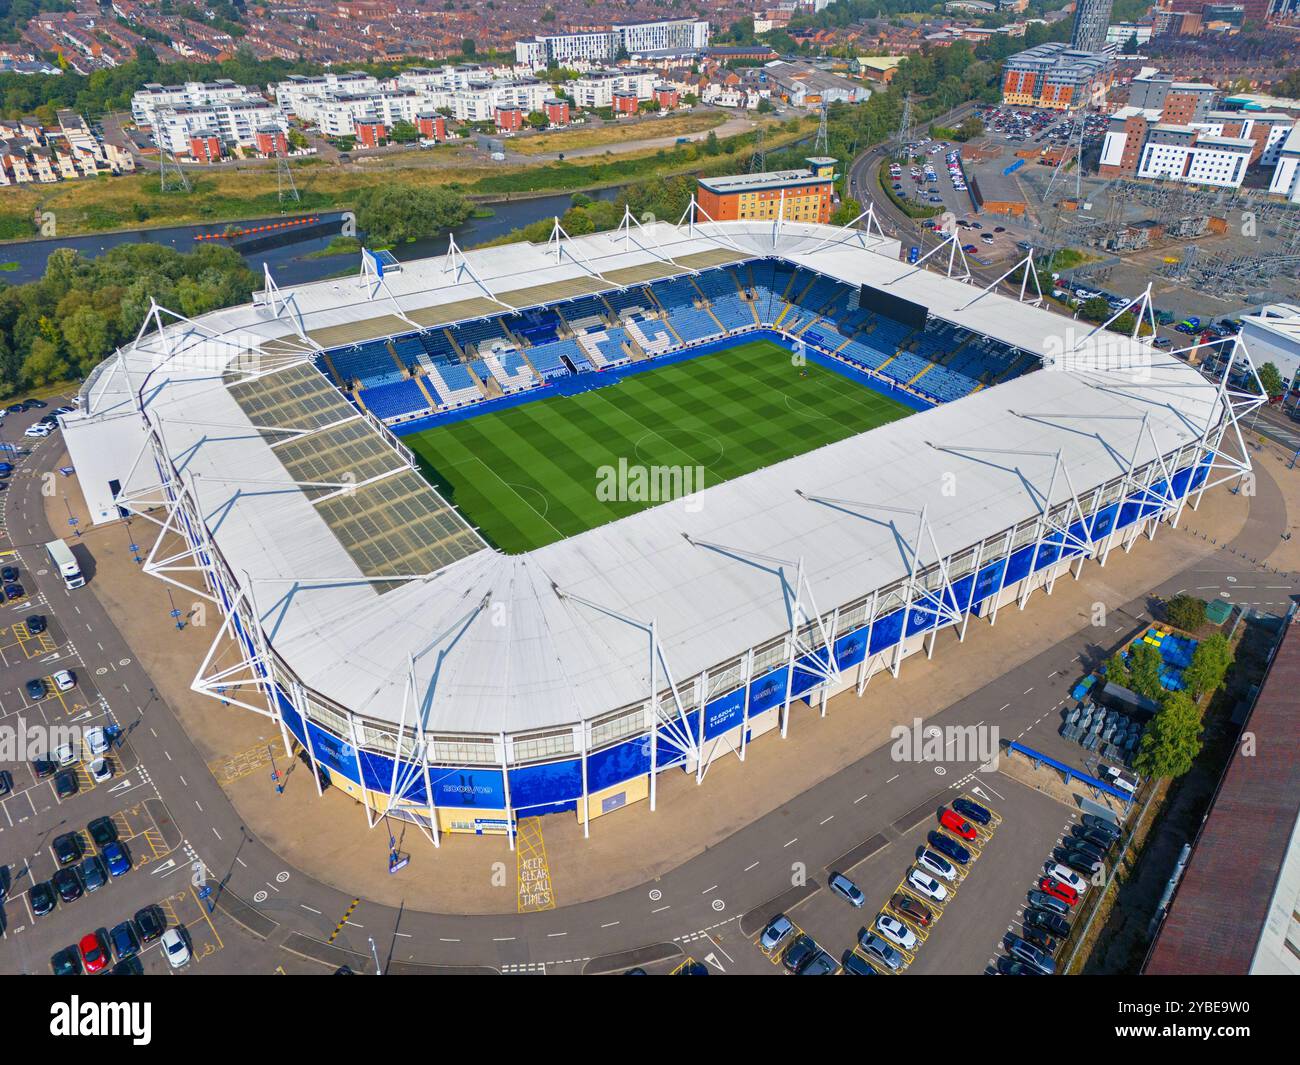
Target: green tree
pixel 1095 310
pixel 1271 379
pixel 1172 739
pixel 1117 671
pixel 1210 663
pixel 87 337
pixel 1144 665
pixel 1185 612
pixel 396 214
pixel 711 146
pixel 403 132
pixel 44 365
pixel 468 47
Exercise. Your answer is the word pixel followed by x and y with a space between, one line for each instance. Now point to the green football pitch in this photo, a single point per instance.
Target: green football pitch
pixel 539 472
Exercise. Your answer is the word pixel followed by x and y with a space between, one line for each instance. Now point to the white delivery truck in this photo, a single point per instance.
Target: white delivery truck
pixel 61 555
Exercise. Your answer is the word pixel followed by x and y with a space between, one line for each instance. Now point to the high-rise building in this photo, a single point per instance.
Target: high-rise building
pixel 1091 18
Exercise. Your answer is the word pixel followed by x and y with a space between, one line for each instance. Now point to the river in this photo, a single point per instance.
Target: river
pixel 289 262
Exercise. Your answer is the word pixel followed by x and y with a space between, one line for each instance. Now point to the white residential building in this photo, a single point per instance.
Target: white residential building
pixel 1182 153
pixel 1286 173
pixel 152 98
pixel 233 121
pixel 597 88
pixel 683 36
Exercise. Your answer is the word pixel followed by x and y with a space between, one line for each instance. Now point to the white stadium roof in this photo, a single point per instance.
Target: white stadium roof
pixel 702 569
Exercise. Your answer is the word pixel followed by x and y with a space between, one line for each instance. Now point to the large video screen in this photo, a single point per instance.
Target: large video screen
pixel 895 307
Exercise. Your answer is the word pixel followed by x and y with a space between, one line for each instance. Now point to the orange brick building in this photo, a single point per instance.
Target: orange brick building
pixel 1056 77
pixel 794 195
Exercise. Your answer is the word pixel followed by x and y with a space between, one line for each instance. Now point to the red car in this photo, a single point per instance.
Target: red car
pixel 956 824
pixel 1059 891
pixel 94 953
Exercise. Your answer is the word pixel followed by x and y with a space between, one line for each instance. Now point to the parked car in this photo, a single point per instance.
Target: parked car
pixel 175 949
pixel 1068 877
pixel 65 680
pixel 1029 954
pixel 66 962
pixel 957 825
pixel 798 954
pixel 65 754
pixel 35 625
pixel 94 953
pixel 775 933
pixel 1011 967
pixel 846 889
pixel 93 874
pixel 1047 921
pixel 1043 940
pixel 821 964
pixel 65 784
pixel 68 884
pixel 939 866
pixel 98 739
pixel 37 431
pixel 949 847
pixel 1083 863
pixel 1093 823
pixel 126 944
pixel 150 923
pixel 1058 890
pixel 926 885
pixel 66 848
pixel 43 767
pixel 856 965
pixel 895 931
pixel 1094 836
pixel 102 830
pixel 8 574
pixel 875 947
pixel 6 782
pixel 1051 903
pixel 42 898
pixel 14 591
pixel 916 912
pixel 117 858
pixel 36 688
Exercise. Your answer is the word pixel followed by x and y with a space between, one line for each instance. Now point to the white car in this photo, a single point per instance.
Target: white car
pixel 64 680
pixel 65 755
pixel 37 430
pixel 895 931
pixel 931 862
pixel 97 740
pixel 927 885
pixel 1063 874
pixel 174 948
pixel 100 770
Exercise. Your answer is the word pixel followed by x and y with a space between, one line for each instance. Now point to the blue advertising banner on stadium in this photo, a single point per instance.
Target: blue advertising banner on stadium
pixel 990 577
pixel 885 631
pixel 556 786
pixel 851 648
pixel 724 713
pixel 333 753
pixel 482 788
pixel 809 671
pixel 616 764
pixel 767 692
pixel 1103 522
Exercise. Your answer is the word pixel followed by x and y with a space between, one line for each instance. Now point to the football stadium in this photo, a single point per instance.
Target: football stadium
pixel 516 531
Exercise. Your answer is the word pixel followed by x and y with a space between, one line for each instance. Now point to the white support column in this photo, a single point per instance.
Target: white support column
pixel 300 704
pixel 744 714
pixel 586 791
pixel 864 673
pixel 505 789
pixel 361 776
